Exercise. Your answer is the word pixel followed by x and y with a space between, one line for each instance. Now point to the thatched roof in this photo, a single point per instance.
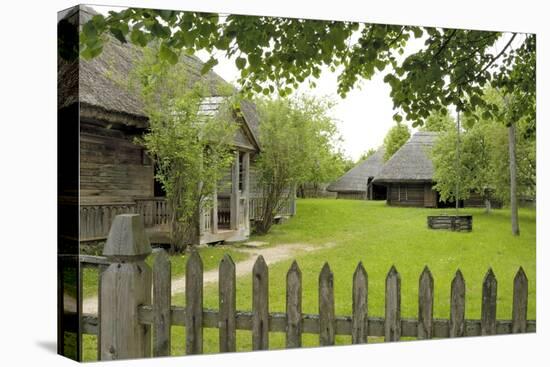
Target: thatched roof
pixel 411 163
pixel 356 179
pixel 98 81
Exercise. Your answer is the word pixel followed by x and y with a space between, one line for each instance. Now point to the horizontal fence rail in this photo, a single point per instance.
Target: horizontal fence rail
pixel 159 315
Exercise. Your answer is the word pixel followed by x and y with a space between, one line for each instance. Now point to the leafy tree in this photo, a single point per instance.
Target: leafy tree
pixel 452 66
pixel 439 122
pixel 366 155
pixel 191 151
pixel 395 138
pixel 474 168
pixel 483 167
pixel 296 139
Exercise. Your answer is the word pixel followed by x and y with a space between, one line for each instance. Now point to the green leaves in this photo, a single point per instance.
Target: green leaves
pixel 209 65
pixel 450 66
pixel 166 54
pixel 138 37
pixel 91 42
pixel 395 138
pixel 159 31
pixel 240 62
pixel 92 51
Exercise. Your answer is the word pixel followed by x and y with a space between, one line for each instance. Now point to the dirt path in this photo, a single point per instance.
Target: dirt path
pixel 271 255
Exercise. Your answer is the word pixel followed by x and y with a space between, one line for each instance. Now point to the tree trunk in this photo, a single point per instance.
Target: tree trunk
pixel 487 205
pixel 513 178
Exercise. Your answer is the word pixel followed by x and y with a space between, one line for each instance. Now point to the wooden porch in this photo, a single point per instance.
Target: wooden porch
pixel 226 219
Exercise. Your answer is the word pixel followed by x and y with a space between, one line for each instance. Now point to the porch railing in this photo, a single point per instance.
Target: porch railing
pixel 96 219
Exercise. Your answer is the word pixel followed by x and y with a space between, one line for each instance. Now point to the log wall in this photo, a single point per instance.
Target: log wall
pixel 112 167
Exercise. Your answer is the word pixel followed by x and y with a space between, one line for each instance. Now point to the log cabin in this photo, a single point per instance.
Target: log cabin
pixel 358 183
pixel 408 176
pixel 117 176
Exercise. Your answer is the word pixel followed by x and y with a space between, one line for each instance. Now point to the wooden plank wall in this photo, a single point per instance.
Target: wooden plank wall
pixel 409 194
pixel 113 168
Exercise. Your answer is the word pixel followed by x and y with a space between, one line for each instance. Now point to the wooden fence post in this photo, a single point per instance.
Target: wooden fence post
pixel 326 306
pixel 425 304
pixel 392 324
pixel 228 305
pixel 260 305
pixel 489 304
pixel 359 326
pixel 193 304
pixel 519 310
pixel 125 285
pixel 162 296
pixel 458 306
pixel 294 306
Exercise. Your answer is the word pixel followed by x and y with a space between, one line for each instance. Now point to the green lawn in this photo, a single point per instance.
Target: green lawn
pixel 381 236
pixel 211 257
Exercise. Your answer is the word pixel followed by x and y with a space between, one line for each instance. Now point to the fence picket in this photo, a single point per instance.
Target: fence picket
pixel 260 305
pixel 326 306
pixel 458 306
pixel 425 304
pixel 125 284
pixel 162 290
pixel 294 306
pixel 519 310
pixel 392 324
pixel 360 306
pixel 489 304
pixel 228 305
pixel 193 304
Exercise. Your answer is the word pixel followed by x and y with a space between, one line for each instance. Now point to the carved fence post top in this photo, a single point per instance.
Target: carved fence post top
pixel 325 271
pixel 259 264
pixel 489 277
pixel 393 273
pixel 520 275
pixel 127 237
pixel 294 268
pixel 458 275
pixel 227 261
pixel 360 270
pixel 426 275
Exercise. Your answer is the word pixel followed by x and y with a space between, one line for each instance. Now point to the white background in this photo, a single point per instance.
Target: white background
pixel 28 182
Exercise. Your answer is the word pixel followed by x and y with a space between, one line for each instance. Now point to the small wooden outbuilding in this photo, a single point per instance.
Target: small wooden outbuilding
pixel 357 183
pixel 408 174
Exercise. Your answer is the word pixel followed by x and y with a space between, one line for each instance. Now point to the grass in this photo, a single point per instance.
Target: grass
pixel 210 256
pixel 381 236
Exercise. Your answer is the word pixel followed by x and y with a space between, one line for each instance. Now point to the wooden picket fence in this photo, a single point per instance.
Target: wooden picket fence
pixel 135 311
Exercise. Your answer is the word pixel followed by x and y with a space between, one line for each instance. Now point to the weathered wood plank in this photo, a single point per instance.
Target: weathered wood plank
pixel 260 305
pixel 125 285
pixel 360 323
pixel 327 319
pixel 489 304
pixel 519 310
pixel 425 304
pixel 392 326
pixel 227 304
pixel 162 290
pixel 458 306
pixel 294 306
pixel 193 304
